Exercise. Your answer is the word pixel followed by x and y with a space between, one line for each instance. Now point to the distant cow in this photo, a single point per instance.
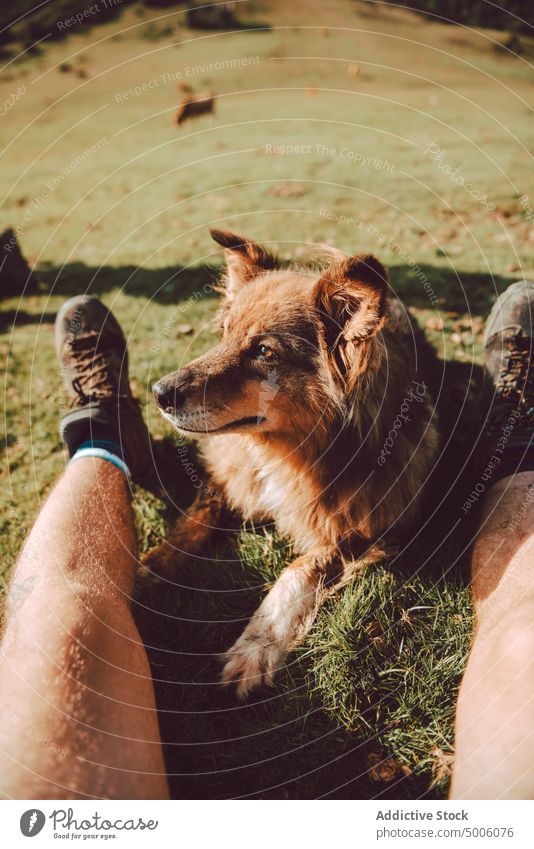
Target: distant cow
pixel 194 105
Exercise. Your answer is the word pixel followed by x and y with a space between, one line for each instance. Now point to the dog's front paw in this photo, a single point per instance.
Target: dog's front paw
pixel 282 618
pixel 253 660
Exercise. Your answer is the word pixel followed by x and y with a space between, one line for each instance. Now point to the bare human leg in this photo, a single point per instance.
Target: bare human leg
pixel 77 699
pixel 78 712
pixel 495 714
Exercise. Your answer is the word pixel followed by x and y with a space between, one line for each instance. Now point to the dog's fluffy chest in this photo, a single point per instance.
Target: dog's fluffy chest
pixel 265 488
pixel 275 488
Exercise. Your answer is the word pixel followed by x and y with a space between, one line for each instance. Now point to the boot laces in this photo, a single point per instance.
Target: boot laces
pixel 94 380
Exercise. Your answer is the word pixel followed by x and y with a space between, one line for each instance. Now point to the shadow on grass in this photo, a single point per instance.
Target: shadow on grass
pixel 171 286
pixel 16 318
pixel 165 285
pixel 460 291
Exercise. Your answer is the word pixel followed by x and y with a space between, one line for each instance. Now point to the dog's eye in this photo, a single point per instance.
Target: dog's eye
pixel 265 352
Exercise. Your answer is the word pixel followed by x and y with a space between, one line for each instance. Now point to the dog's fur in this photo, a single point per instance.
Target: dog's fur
pixel 315 416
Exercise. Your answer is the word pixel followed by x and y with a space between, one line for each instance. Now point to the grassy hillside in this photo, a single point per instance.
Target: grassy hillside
pixel 367 127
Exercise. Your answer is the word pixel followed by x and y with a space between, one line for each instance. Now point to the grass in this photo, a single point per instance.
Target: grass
pixel 366 705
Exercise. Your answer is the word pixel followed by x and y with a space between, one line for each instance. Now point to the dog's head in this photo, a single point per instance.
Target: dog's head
pixel 294 346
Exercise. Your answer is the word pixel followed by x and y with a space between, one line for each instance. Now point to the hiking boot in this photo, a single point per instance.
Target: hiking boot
pixel 92 352
pixel 509 379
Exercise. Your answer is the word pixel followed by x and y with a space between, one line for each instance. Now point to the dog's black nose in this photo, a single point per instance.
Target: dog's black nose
pixel 167 396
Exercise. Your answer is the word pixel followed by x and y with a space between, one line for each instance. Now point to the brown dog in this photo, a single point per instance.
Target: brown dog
pixel 194 105
pixel 315 416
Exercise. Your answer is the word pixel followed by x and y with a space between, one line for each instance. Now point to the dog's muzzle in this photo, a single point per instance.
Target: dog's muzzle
pixel 168 397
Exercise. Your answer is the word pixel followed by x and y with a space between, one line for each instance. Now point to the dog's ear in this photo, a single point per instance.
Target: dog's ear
pixel 351 299
pixel 245 259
